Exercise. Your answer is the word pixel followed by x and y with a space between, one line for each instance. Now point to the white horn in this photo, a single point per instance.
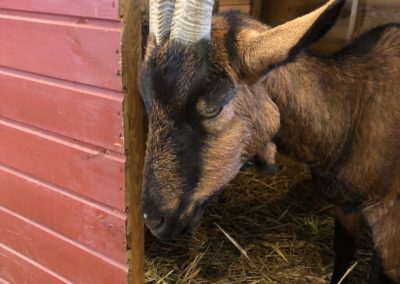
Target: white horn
pixel 160 18
pixel 192 20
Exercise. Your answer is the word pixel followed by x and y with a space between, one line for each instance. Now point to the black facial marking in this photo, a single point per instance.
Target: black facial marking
pixel 187 146
pixel 220 92
pixel 178 73
pixel 235 23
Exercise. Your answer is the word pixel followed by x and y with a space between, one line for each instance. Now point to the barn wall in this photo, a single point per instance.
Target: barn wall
pixel 241 5
pixel 62 163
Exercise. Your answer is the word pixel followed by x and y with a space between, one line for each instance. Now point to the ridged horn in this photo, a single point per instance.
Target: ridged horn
pixel 160 18
pixel 192 20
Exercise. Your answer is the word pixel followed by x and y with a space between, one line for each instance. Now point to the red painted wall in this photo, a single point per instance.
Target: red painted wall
pixel 62 163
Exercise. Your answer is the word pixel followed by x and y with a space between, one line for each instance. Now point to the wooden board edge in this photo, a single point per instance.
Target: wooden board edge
pixel 134 135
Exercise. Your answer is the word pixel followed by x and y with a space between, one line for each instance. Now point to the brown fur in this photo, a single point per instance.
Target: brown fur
pixel 339 114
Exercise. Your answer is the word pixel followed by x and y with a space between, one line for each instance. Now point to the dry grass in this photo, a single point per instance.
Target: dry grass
pixel 262 230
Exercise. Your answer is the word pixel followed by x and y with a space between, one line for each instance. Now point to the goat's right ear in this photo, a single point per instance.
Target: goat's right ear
pixel 262 50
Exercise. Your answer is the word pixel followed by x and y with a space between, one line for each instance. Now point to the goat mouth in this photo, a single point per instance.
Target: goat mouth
pixel 199 212
pixel 173 229
pixel 195 220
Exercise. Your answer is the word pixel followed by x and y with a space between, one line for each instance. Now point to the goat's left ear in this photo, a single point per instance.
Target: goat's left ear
pixel 262 50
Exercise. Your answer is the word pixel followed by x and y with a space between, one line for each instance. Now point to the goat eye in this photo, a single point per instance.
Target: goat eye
pixel 212 112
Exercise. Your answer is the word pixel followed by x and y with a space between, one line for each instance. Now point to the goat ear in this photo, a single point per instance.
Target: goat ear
pixel 146 87
pixel 264 49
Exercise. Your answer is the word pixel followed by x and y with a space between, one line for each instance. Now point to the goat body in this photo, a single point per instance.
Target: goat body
pixel 341 115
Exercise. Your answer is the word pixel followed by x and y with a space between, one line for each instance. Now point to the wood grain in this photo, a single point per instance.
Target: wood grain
pixel 90 115
pixel 243 6
pixel 88 172
pixel 58 254
pixel 78 52
pixel 93 226
pixel 134 136
pixel 245 9
pixel 103 9
pixel 15 268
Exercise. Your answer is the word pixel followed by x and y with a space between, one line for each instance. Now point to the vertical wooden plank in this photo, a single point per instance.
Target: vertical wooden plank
pixel 134 135
pixel 256 8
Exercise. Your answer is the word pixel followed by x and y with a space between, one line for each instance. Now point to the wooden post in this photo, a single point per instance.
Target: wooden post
pixel 134 135
pixel 256 8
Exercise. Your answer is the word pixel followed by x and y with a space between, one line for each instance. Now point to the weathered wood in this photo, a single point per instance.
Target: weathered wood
pixel 234 2
pixel 90 115
pixel 96 227
pixel 134 136
pixel 78 52
pixel 103 9
pixel 88 172
pixel 58 254
pixel 243 6
pixel 378 12
pixel 245 9
pixel 15 268
pixel 256 8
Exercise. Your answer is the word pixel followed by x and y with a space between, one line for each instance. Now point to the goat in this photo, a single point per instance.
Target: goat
pixel 222 90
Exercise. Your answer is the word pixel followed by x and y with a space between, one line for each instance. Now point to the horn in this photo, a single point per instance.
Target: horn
pixel 192 20
pixel 160 18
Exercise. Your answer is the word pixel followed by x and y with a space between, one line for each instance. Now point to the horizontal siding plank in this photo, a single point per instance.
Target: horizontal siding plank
pixel 55 253
pixel 16 269
pixel 80 221
pixel 94 174
pixel 71 110
pixel 245 9
pixel 234 2
pixel 101 9
pixel 77 52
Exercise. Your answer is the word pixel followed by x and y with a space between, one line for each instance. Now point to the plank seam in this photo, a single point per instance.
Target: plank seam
pixel 59 14
pixel 93 151
pixel 34 263
pixel 62 83
pixel 104 258
pixel 61 20
pixel 80 198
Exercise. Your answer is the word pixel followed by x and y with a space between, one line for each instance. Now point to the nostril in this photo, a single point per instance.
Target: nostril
pixel 153 222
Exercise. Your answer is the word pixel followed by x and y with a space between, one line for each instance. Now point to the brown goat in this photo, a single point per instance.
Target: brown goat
pixel 220 94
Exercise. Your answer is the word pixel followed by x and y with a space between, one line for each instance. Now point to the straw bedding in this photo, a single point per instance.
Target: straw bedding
pixel 261 230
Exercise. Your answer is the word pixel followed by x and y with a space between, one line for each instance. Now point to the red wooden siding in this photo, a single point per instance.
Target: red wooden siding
pixel 103 228
pixel 57 253
pixel 16 268
pixel 64 48
pixel 62 161
pixel 65 105
pixel 103 9
pixel 86 171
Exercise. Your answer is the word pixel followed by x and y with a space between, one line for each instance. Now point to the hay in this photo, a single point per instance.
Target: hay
pixel 262 230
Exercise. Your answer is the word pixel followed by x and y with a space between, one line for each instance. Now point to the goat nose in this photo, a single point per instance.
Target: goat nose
pixel 153 221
